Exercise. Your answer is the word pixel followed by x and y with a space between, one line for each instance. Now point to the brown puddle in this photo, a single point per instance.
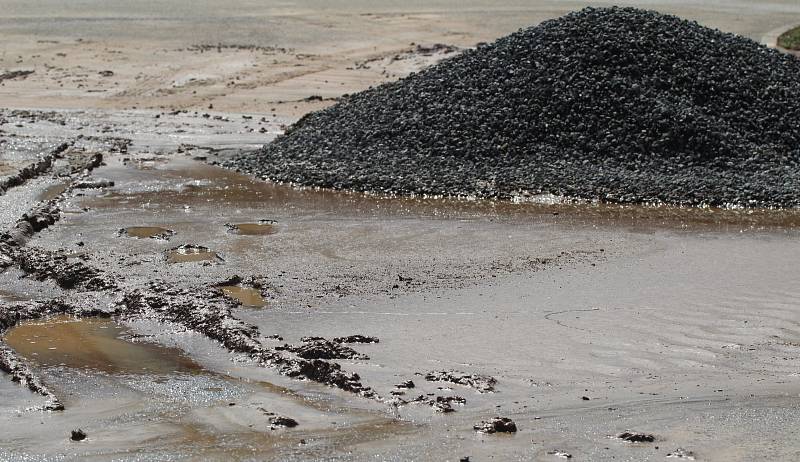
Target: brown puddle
pixel 53 191
pixel 247 296
pixel 228 188
pixel 94 343
pixel 11 297
pixel 262 228
pixel 147 232
pixel 191 253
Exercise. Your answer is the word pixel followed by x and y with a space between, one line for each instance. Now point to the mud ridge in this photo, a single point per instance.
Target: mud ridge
pixel 211 315
pixel 33 170
pixel 208 311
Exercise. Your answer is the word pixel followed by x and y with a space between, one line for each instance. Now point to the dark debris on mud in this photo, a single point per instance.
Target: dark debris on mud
pixel 443 404
pixel 636 437
pixel 320 348
pixel 482 383
pixel 357 339
pixel 496 425
pixel 204 310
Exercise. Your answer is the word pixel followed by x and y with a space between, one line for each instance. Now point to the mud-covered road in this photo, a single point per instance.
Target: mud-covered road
pixel 578 322
pixel 173 310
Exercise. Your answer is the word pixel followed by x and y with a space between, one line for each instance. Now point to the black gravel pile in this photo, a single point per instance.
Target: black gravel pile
pixel 617 104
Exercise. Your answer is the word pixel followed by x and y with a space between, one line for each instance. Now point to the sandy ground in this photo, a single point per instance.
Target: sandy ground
pixel 679 323
pixel 264 57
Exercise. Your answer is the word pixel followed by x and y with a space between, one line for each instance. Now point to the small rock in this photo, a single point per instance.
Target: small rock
pixel 78 435
pixel 496 425
pixel 407 384
pixel 282 421
pixel 636 437
pixel 357 339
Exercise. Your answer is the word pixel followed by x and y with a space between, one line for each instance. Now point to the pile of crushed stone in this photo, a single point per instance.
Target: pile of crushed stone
pixel 610 104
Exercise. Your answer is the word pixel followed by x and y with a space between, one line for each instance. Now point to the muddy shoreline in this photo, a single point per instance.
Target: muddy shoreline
pixel 579 322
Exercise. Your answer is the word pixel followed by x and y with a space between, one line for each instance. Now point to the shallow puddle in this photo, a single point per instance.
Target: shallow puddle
pixel 247 296
pixel 53 191
pixel 10 297
pixel 191 253
pixel 94 343
pixel 261 228
pixel 147 232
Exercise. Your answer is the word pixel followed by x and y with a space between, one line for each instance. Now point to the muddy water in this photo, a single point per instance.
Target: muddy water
pixel 51 192
pixel 93 343
pixel 253 229
pixel 247 296
pixel 148 232
pixel 182 183
pixel 189 254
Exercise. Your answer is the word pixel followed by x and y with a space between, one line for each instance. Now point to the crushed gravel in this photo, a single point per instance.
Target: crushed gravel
pixel 610 104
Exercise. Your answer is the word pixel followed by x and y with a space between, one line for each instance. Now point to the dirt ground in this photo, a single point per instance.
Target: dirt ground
pixel 577 321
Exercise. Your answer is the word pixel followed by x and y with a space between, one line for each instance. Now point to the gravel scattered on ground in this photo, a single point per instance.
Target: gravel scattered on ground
pixel 611 104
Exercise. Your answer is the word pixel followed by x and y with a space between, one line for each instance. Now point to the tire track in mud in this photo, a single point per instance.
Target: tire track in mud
pixel 31 171
pixel 204 310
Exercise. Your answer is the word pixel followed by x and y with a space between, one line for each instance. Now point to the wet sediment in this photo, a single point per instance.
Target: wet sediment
pixel 33 170
pixel 204 310
pixel 12 363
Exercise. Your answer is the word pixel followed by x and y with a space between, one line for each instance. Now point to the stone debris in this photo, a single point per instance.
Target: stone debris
pixel 611 104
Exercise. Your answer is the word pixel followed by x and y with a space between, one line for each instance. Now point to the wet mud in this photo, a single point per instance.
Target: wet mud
pixel 248 297
pixel 98 344
pixel 262 228
pixel 190 253
pixel 147 232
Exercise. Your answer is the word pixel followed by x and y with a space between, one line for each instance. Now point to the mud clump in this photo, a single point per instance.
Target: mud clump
pixel 78 435
pixel 357 339
pixel 189 253
pixel 33 170
pixel 68 274
pixel 496 425
pixel 636 437
pixel 93 184
pixel 681 453
pixel 326 372
pixel 482 383
pixel 210 314
pixel 10 75
pixel 613 104
pixel 443 404
pixel 279 421
pixel 320 348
